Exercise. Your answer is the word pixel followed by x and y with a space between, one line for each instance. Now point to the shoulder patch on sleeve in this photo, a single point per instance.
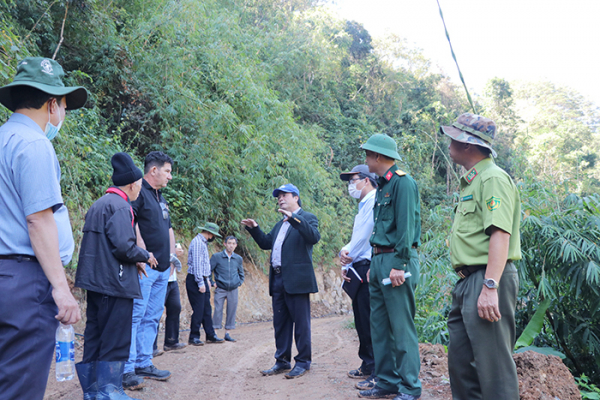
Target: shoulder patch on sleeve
pixel 493 203
pixel 400 173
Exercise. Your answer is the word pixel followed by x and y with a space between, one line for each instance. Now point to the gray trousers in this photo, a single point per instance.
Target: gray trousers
pixel 232 303
pixel 480 359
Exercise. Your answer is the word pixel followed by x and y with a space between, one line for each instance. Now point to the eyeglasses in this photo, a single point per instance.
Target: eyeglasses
pixel 354 180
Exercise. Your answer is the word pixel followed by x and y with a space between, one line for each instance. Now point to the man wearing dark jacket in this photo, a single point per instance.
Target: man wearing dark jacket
pixel 228 270
pixel 291 278
pixel 107 270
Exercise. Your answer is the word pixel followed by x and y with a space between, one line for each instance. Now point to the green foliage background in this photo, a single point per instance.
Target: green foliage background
pixel 248 94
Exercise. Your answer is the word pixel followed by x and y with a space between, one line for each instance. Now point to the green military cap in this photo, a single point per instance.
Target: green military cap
pixel 382 144
pixel 46 75
pixel 210 227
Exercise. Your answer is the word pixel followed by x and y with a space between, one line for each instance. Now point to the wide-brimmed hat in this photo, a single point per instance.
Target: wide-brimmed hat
pixel 359 169
pixel 46 75
pixel 210 227
pixel 472 129
pixel 382 144
pixel 287 188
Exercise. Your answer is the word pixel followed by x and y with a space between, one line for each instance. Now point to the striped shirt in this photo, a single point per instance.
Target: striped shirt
pixel 198 260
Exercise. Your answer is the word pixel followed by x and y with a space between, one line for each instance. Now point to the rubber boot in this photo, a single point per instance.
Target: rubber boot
pixel 87 378
pixel 110 380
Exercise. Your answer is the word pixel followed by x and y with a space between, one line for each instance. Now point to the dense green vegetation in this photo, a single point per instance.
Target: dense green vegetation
pixel 248 94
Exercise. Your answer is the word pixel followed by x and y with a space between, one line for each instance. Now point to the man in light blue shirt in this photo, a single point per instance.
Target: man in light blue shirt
pixel 35 233
pixel 356 260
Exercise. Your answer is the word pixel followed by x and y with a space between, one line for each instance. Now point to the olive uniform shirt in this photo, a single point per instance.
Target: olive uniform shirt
pixel 397 215
pixel 488 197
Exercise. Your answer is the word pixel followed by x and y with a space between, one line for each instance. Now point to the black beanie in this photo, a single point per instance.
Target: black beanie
pixel 124 170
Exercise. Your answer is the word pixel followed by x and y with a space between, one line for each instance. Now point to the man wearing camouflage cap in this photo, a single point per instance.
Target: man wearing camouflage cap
pixel 484 243
pixel 36 240
pixel 394 240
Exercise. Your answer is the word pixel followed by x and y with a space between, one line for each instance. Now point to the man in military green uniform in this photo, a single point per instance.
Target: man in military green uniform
pixel 485 241
pixel 395 238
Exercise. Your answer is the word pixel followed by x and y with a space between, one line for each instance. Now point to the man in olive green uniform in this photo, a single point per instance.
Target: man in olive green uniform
pixel 485 241
pixel 395 238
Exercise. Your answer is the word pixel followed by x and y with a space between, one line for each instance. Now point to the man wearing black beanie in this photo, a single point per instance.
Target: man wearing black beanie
pixel 107 270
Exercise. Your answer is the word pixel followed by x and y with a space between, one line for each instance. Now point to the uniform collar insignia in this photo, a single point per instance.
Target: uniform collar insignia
pixel 389 175
pixel 471 175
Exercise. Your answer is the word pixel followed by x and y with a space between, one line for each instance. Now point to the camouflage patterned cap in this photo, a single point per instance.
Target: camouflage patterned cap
pixel 473 129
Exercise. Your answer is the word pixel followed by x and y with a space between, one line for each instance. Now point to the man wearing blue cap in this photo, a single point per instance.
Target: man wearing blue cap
pixel 36 237
pixel 291 278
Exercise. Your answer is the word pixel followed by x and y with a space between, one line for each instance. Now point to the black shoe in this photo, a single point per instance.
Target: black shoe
pixel 276 369
pixel 196 342
pixel 367 384
pixel 176 346
pixel 404 396
pixel 297 372
pixel 214 339
pixel 156 352
pixel 358 374
pixel 229 338
pixel 151 372
pixel 377 393
pixel 132 382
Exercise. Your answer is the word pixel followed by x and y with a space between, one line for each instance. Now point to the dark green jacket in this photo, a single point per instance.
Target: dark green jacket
pixel 397 215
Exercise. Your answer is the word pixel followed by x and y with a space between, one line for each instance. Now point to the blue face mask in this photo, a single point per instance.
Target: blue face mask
pixel 51 131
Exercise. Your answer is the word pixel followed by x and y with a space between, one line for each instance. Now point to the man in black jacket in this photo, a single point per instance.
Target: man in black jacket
pixel 107 270
pixel 291 278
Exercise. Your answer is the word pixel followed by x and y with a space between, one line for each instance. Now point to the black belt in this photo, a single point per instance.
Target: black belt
pixel 277 270
pixel 382 249
pixel 18 257
pixel 467 270
pixel 361 263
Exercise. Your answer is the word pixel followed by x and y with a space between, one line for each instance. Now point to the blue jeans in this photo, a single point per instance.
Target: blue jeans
pixel 146 315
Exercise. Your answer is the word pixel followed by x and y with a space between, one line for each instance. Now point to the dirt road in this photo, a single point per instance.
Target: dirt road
pixel 231 370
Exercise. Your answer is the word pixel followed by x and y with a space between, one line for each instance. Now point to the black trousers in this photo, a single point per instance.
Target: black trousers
pixel 361 305
pixel 291 321
pixel 200 303
pixel 27 329
pixel 173 306
pixel 108 328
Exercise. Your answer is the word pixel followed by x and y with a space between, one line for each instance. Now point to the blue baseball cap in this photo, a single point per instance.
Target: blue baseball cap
pixel 287 188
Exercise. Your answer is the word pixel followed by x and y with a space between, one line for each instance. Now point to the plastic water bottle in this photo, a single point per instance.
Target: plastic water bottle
pixel 65 352
pixel 387 281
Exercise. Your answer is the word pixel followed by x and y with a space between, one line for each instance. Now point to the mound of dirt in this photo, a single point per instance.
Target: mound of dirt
pixel 541 377
pixel 544 377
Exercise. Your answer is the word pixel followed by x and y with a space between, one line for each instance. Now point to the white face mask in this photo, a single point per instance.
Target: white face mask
pixel 51 131
pixel 353 191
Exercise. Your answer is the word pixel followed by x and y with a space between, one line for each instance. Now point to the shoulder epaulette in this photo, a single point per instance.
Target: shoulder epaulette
pixel 400 173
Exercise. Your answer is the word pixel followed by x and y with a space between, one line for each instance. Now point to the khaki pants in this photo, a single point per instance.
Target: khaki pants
pixel 480 352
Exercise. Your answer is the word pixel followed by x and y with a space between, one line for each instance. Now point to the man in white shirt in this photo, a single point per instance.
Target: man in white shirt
pixel 355 258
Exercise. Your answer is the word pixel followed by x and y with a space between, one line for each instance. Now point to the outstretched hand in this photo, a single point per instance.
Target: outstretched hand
pixel 250 223
pixel 286 214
